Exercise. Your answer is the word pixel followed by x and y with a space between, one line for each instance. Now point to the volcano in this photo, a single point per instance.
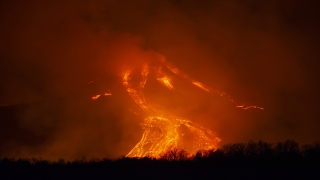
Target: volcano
pixel 106 116
pixel 162 124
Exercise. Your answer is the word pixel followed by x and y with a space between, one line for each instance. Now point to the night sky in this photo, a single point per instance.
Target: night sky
pixel 264 53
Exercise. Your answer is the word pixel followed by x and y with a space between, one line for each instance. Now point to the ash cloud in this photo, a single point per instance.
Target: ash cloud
pixel 263 53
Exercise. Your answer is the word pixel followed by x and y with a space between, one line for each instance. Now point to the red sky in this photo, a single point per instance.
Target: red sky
pixel 261 52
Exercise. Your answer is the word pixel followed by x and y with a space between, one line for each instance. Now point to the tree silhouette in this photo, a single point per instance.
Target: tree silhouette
pixel 311 151
pixel 175 154
pixel 259 149
pixel 252 160
pixel 289 148
pixel 234 150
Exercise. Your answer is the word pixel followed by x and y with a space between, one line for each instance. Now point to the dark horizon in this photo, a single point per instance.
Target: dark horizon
pixel 252 160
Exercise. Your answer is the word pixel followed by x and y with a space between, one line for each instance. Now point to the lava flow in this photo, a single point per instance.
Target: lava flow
pixel 161 129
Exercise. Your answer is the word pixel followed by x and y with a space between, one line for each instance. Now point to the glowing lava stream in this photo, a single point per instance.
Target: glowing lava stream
pixel 210 90
pixel 160 128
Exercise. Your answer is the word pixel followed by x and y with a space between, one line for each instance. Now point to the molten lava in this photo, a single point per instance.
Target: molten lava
pixel 209 89
pixel 99 95
pixel 166 82
pixel 201 86
pixel 95 97
pixel 161 129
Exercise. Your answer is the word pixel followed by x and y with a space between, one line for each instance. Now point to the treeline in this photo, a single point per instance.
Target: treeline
pixel 252 160
pixel 287 149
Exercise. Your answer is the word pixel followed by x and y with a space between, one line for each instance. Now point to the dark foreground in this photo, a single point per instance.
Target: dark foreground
pixel 252 160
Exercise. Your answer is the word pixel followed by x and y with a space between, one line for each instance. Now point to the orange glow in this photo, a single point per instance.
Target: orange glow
pixel 161 133
pixel 166 82
pixel 210 90
pixel 160 128
pixel 248 107
pixel 95 97
pixel 99 95
pixel 200 85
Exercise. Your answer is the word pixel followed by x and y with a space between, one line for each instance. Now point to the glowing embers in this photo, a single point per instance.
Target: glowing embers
pixel 99 95
pixel 166 82
pixel 249 107
pixel 95 97
pixel 201 86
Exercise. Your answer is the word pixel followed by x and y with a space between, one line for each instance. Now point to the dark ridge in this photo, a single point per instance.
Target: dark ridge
pixel 252 160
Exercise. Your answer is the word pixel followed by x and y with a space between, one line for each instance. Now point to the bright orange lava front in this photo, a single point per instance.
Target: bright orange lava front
pixel 161 129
